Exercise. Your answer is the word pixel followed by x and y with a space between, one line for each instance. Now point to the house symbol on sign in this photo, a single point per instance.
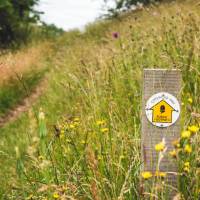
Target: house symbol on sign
pixel 162 112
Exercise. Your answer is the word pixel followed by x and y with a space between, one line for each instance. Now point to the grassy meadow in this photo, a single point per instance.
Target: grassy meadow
pixel 81 138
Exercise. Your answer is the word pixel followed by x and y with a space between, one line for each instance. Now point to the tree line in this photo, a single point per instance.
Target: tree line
pixel 123 5
pixel 16 16
pixel 18 19
pixel 19 23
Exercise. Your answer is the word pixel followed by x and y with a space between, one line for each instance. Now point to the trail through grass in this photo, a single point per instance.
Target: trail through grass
pixel 21 72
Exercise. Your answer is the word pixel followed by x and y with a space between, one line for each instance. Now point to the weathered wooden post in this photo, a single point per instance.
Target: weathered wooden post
pixel 160 121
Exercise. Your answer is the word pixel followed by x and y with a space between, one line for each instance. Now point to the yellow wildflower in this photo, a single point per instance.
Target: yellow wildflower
pixel 186 169
pixel 146 175
pixel 76 124
pixel 160 174
pixel 62 134
pixel 160 146
pixel 104 130
pixel 100 122
pixel 185 134
pixel 83 142
pixel 190 100
pixel 99 157
pixel 188 148
pixel 71 126
pixel 176 143
pixel 76 119
pixel 56 195
pixel 187 164
pixel 193 128
pixel 68 140
pixel 173 153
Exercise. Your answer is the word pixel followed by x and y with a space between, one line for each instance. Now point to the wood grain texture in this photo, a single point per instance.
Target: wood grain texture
pixel 155 81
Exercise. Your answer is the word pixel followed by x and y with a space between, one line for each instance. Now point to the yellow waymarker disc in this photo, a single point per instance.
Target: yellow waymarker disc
pixel 162 109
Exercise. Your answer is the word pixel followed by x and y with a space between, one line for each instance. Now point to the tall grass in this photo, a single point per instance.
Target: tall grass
pixel 82 139
pixel 13 92
pixel 20 74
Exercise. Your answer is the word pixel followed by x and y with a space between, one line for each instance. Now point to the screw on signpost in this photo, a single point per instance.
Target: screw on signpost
pixel 160 127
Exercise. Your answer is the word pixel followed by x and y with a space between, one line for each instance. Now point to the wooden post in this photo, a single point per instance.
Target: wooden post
pixel 169 82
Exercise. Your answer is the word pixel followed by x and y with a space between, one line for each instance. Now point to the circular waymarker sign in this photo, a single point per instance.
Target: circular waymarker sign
pixel 162 109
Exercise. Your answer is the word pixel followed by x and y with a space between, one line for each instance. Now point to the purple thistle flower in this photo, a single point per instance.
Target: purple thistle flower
pixel 115 35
